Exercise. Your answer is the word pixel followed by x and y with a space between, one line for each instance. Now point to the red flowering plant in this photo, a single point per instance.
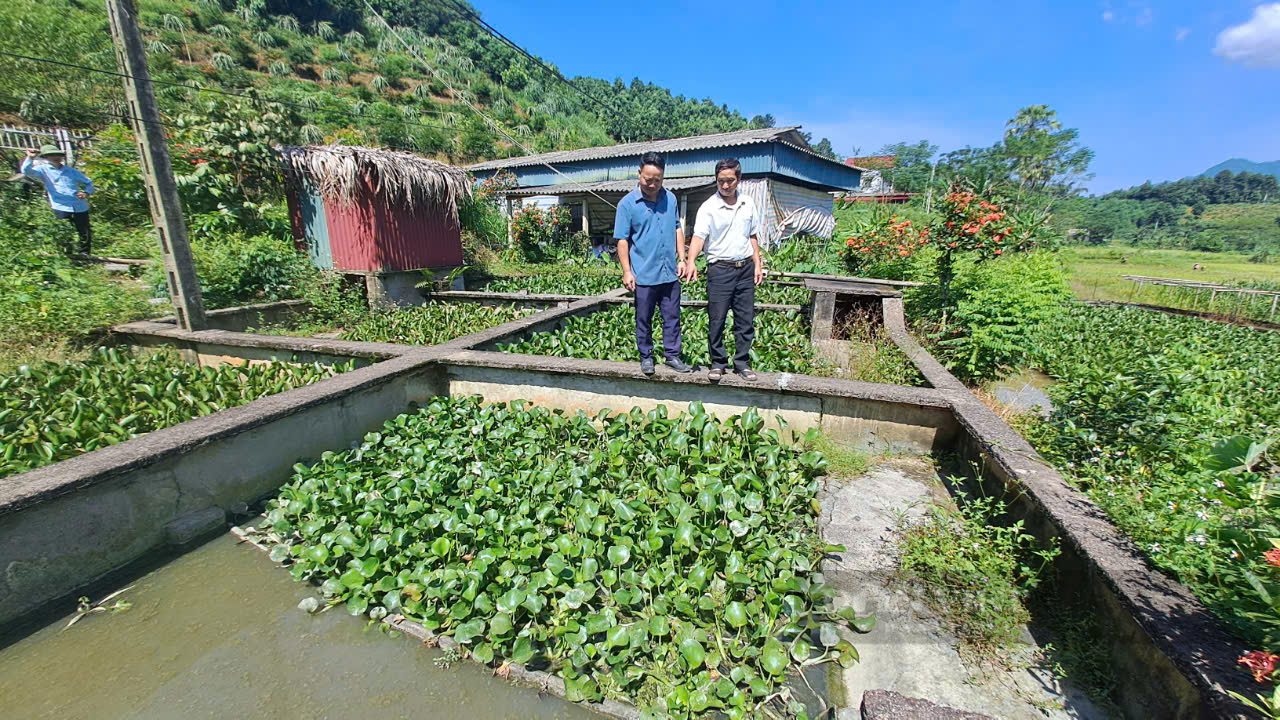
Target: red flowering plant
pixel 882 245
pixel 536 231
pixel 981 225
pixel 487 190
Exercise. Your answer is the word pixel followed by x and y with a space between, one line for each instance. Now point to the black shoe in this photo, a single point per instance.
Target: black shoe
pixel 678 365
pixel 646 366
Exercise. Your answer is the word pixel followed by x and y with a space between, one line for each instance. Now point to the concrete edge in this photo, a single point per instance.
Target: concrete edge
pixel 91 468
pixel 787 383
pixel 518 674
pixel 143 330
pixel 1173 620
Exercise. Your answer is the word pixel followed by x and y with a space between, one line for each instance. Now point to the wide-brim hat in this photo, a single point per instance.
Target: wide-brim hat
pixel 47 150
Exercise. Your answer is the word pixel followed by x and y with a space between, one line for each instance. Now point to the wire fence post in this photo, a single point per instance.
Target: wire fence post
pixel 157 172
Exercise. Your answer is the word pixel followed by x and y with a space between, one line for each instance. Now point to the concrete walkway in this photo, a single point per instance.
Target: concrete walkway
pixel 909 651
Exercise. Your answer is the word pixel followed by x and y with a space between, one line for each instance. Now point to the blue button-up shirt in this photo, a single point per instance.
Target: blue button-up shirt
pixel 61 185
pixel 650 229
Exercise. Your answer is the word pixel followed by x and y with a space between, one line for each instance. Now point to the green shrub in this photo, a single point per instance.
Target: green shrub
pixel 43 297
pixel 997 309
pixel 235 269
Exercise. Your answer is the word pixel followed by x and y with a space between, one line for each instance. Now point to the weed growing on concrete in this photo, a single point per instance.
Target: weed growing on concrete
pixel 976 573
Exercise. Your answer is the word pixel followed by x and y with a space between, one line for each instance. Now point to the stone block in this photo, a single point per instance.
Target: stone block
pixel 886 705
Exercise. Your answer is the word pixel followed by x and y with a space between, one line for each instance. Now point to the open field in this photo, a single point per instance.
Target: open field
pixel 1096 271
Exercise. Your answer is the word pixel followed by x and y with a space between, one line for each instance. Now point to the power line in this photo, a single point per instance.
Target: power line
pixel 471 15
pixel 197 88
pixel 490 121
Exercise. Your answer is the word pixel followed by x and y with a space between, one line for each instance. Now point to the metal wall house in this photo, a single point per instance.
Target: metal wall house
pixel 375 212
pixel 791 183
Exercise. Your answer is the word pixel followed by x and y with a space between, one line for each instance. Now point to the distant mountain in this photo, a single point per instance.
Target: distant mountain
pixel 1237 165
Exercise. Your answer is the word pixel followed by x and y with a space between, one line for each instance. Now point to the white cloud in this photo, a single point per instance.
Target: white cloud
pixel 1255 43
pixel 1108 16
pixel 1181 34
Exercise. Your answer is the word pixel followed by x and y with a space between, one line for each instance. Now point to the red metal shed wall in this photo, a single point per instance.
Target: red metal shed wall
pixel 369 236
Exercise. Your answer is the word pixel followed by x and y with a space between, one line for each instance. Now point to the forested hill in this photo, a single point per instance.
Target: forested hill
pixel 1224 187
pixel 340 75
pixel 1237 165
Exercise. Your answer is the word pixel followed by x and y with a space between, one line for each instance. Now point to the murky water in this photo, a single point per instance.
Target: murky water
pixel 1025 391
pixel 217 634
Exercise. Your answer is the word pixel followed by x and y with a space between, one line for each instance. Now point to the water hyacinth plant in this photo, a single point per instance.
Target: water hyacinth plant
pixel 432 323
pixel 55 411
pixel 672 562
pixel 781 343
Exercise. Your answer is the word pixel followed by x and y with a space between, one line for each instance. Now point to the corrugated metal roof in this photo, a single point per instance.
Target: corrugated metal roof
pixel 616 186
pixel 693 142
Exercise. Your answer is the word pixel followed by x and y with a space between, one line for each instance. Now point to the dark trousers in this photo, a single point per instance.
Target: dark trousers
pixel 666 298
pixel 733 288
pixel 81 222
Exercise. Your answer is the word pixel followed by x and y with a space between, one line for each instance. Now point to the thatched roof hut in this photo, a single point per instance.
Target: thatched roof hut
pixel 366 210
pixel 337 171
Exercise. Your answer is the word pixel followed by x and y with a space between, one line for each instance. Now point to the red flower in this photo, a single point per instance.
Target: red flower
pixel 1272 557
pixel 1260 663
pixel 999 251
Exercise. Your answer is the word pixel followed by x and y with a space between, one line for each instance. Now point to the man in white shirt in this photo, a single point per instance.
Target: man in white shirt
pixel 728 225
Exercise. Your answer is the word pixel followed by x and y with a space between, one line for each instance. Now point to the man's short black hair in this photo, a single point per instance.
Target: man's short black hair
pixel 729 164
pixel 654 159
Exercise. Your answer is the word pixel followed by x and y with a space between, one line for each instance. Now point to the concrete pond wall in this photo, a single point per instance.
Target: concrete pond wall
pixel 66 525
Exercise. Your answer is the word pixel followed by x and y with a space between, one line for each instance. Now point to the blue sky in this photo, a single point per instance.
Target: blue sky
pixel 1159 90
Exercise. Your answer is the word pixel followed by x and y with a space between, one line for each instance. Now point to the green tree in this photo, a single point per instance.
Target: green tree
pixel 478 141
pixel 763 121
pixel 825 149
pixel 1042 155
pixel 912 165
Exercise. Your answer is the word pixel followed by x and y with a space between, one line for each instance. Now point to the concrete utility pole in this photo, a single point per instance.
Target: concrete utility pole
pixel 157 172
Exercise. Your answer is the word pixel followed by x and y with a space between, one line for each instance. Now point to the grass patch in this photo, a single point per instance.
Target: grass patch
pixel 1096 270
pixel 842 460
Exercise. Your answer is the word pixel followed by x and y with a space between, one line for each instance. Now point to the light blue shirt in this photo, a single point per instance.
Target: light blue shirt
pixel 650 228
pixel 60 184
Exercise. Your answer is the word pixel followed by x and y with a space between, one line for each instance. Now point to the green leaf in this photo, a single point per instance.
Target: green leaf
pixel 773 658
pixel 619 554
pixel 352 579
pixel 693 653
pixel 522 651
pixel 440 547
pixel 736 614
pixel 465 632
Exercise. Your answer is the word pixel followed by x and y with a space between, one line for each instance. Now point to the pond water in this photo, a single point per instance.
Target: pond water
pixel 217 633
pixel 1025 390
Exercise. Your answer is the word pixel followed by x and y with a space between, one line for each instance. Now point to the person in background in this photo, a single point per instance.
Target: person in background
pixel 728 224
pixel 68 189
pixel 651 250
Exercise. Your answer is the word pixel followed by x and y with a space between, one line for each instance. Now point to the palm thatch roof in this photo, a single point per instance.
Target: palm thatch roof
pixel 337 171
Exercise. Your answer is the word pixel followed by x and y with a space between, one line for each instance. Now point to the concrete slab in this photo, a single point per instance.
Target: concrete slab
pixel 909 651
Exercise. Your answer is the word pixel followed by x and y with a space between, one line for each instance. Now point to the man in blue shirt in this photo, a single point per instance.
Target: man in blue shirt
pixel 68 189
pixel 651 250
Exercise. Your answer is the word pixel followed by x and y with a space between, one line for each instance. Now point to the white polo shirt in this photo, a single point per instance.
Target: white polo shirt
pixel 727 229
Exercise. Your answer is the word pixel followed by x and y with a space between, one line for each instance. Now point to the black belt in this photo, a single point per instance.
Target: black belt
pixel 734 263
